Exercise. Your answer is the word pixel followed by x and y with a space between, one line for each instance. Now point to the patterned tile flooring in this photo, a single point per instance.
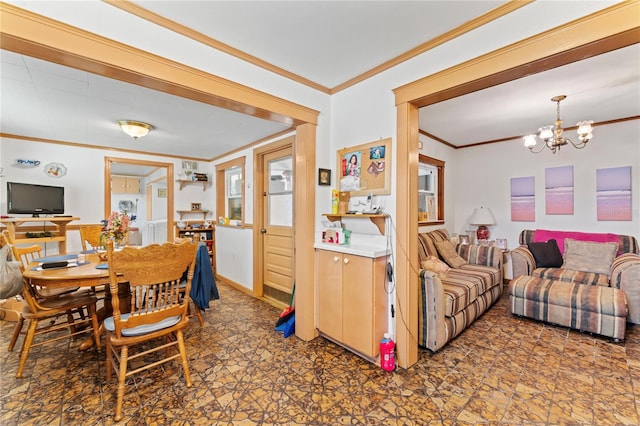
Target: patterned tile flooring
pixel 501 371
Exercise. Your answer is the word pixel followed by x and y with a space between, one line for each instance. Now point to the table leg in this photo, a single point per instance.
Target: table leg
pixel 124 295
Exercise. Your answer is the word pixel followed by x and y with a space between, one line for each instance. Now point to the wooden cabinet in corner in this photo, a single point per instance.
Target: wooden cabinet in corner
pixel 352 300
pixel 125 185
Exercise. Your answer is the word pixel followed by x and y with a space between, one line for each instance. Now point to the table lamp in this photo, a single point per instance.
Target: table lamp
pixel 482 217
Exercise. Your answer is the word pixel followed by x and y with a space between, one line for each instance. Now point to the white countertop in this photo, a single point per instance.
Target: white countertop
pixel 355 249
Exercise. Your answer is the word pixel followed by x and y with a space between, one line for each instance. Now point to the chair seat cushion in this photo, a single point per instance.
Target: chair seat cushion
pixel 571 276
pixel 142 329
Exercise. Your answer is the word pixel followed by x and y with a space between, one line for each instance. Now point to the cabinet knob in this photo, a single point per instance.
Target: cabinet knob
pixel 336 258
pixel 346 260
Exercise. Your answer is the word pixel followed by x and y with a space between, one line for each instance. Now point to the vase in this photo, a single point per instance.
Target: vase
pixel 117 241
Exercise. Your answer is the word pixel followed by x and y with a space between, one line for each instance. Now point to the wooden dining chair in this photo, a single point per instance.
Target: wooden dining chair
pixel 29 254
pixel 91 239
pixel 158 313
pixel 37 310
pixel 26 255
pixel 90 236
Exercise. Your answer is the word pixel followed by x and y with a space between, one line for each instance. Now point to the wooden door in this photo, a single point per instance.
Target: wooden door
pixel 277 249
pixel 329 281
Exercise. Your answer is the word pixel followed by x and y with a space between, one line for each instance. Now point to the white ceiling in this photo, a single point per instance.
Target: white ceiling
pixel 327 42
pixel 602 88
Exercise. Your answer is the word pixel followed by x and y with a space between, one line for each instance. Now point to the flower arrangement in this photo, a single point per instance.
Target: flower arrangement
pixel 117 226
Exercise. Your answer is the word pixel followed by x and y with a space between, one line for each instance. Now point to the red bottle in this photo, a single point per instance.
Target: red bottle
pixel 387 353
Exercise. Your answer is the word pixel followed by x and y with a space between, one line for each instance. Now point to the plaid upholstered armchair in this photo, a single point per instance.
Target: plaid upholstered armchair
pixel 621 270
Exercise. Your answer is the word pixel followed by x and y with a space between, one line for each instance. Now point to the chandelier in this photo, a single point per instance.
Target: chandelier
pixel 552 135
pixel 135 129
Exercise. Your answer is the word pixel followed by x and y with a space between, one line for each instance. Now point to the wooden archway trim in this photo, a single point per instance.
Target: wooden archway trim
pixel 605 30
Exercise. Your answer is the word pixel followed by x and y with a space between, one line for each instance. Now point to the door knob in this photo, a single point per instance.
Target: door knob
pixel 346 261
pixel 264 231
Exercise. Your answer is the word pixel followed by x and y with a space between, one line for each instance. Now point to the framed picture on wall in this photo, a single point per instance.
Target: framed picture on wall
pixel 324 177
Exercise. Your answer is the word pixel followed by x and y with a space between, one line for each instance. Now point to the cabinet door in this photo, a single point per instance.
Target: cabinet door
pixel 125 185
pixel 118 184
pixel 329 279
pixel 133 185
pixel 358 303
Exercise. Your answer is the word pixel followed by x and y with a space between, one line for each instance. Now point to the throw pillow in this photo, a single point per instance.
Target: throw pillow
pixel 547 254
pixel 448 252
pixel 436 266
pixel 588 256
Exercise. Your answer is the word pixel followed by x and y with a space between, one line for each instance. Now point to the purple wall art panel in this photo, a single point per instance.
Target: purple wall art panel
pixel 558 190
pixel 523 199
pixel 613 193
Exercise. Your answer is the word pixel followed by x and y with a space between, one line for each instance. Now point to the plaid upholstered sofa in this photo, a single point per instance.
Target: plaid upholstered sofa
pixel 592 309
pixel 450 301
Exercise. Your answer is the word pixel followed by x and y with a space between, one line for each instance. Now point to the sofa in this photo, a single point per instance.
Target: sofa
pixel 585 281
pixel 458 283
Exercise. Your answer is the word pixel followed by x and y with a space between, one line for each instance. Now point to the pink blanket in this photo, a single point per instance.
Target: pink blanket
pixel 543 235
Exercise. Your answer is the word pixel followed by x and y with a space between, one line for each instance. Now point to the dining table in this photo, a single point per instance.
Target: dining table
pixel 90 272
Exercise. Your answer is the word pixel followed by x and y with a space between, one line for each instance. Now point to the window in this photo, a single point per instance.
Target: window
pixel 430 190
pixel 230 189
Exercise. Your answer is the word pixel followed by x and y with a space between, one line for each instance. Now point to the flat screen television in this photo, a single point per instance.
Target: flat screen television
pixel 26 198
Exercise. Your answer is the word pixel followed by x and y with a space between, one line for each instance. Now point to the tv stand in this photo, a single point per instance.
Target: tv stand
pixel 19 235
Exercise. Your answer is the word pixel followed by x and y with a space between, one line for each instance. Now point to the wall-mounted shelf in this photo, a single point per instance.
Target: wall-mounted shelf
pixel 204 213
pixel 187 182
pixel 376 219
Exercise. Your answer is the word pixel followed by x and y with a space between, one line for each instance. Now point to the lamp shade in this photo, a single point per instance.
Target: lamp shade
pixel 482 216
pixel 135 129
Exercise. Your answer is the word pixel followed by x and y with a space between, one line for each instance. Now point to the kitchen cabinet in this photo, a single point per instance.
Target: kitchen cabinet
pixel 352 300
pixel 125 185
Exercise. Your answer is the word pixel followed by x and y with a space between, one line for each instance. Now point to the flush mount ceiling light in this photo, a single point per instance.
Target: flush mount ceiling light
pixel 135 129
pixel 552 135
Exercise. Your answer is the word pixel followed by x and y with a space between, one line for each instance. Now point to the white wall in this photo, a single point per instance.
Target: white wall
pixel 84 181
pixel 487 182
pixel 360 114
pixel 366 112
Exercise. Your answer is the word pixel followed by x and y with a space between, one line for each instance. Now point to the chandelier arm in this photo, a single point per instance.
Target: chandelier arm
pixel 579 145
pixel 540 150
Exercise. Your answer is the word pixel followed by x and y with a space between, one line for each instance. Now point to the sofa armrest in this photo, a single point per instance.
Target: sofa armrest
pixel 431 323
pixel 625 275
pixel 522 261
pixel 480 255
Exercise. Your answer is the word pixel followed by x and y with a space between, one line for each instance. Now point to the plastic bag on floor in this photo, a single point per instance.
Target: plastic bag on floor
pixel 10 274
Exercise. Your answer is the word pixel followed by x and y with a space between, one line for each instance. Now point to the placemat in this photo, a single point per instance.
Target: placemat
pixel 57 258
pixel 71 265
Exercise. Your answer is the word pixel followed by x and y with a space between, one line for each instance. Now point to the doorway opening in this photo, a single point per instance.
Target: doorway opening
pixel 141 188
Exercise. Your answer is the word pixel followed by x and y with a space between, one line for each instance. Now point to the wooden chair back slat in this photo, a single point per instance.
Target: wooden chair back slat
pixel 153 273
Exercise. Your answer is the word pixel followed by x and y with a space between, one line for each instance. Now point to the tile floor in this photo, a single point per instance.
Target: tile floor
pixel 501 371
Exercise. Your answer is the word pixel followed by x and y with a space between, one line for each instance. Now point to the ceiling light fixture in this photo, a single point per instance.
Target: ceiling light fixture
pixel 552 136
pixel 135 129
